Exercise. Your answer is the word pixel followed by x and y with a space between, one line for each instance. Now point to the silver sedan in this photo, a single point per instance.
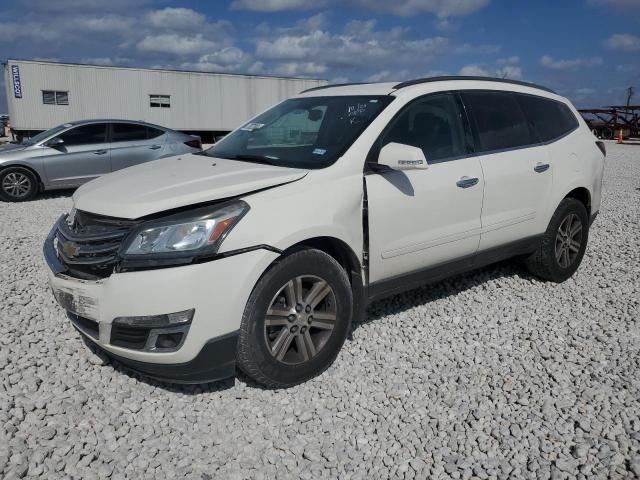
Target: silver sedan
pixel 69 155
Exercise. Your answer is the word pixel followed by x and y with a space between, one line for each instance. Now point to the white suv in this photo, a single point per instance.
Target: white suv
pixel 260 251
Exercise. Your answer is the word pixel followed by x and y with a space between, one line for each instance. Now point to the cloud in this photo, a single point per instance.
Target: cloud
pixel 227 59
pixel 404 8
pixel 106 61
pixel 477 49
pixel 358 46
pixel 300 69
pixel 474 71
pixel 569 64
pixel 276 5
pixel 175 18
pixel 101 24
pixel 389 76
pixel 510 71
pixel 623 41
pixel 174 44
pixel 507 71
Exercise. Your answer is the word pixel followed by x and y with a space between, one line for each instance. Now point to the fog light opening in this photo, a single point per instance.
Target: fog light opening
pixel 169 340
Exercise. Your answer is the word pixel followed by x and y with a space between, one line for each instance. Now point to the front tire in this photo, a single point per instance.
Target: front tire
pixel 17 184
pixel 296 320
pixel 563 244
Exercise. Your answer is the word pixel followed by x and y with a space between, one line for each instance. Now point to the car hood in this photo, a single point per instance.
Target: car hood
pixel 175 182
pixel 11 147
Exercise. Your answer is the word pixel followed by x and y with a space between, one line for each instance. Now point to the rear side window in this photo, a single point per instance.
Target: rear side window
pixel 85 135
pixel 550 119
pixel 499 121
pixel 154 132
pixel 432 124
pixel 128 132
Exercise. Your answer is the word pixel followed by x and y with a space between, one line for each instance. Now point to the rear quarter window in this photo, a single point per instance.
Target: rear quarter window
pixel 549 118
pixel 499 121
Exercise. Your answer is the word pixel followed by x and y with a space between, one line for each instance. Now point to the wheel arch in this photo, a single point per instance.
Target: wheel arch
pixel 583 195
pixel 26 167
pixel 347 258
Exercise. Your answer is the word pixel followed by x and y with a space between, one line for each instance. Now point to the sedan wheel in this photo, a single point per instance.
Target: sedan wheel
pixel 17 184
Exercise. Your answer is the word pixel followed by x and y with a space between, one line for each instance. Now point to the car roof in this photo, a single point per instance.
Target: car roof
pixel 113 120
pixel 432 83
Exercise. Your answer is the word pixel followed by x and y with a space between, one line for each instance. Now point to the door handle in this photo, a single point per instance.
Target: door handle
pixel 541 167
pixel 466 182
pixel 100 152
pixel 155 147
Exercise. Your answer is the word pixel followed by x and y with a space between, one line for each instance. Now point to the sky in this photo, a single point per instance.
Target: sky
pixel 587 50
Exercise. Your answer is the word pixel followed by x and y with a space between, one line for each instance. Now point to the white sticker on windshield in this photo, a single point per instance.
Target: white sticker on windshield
pixel 67 125
pixel 250 127
pixel 319 151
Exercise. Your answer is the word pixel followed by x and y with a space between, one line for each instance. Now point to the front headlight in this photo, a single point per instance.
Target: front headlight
pixel 197 232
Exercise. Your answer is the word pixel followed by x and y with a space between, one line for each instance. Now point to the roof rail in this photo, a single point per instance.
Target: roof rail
pixel 333 85
pixel 461 77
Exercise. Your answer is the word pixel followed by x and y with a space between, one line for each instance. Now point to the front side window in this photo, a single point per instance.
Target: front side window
pixel 432 124
pixel 52 97
pixel 160 101
pixel 302 132
pixel 85 135
pixel 128 132
pixel 499 121
pixel 550 119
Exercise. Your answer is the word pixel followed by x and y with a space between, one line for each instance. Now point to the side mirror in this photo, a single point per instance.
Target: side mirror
pixel 399 156
pixel 56 142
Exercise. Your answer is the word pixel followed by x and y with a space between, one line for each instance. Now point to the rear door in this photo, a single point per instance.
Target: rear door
pixel 515 165
pixel 422 218
pixel 134 143
pixel 83 156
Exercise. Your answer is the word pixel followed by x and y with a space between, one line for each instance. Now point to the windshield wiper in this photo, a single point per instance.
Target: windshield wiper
pixel 252 158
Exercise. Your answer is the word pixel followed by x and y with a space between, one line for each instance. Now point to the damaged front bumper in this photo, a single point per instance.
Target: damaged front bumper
pixel 216 292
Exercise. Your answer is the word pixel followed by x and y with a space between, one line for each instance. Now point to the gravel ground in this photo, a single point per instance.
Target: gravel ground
pixel 490 374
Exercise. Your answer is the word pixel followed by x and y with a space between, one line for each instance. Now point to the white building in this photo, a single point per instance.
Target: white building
pixel 41 95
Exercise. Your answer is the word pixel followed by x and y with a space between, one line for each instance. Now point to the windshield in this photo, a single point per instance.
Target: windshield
pixel 46 134
pixel 302 132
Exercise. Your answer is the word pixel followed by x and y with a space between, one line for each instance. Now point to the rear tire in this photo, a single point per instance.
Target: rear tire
pixel 17 184
pixel 296 320
pixel 563 244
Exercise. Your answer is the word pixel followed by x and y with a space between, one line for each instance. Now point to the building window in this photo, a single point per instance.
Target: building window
pixel 160 101
pixel 52 97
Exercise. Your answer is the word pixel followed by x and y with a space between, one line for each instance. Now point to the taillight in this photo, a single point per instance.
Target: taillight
pixel 600 145
pixel 195 143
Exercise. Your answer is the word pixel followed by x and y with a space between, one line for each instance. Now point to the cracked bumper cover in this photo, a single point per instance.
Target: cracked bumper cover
pixel 217 290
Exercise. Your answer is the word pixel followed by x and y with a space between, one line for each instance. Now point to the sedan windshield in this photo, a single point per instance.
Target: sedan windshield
pixel 302 132
pixel 46 134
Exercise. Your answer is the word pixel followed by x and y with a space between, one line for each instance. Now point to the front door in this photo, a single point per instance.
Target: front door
pixel 82 156
pixel 422 218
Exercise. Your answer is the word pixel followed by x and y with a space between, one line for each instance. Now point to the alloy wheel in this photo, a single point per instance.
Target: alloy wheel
pixel 568 240
pixel 300 319
pixel 16 184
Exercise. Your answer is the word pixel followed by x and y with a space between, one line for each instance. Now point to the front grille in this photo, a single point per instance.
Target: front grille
pixel 90 327
pixel 89 246
pixel 128 336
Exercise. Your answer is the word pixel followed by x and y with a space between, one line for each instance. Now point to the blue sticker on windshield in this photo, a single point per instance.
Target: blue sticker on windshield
pixel 319 151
